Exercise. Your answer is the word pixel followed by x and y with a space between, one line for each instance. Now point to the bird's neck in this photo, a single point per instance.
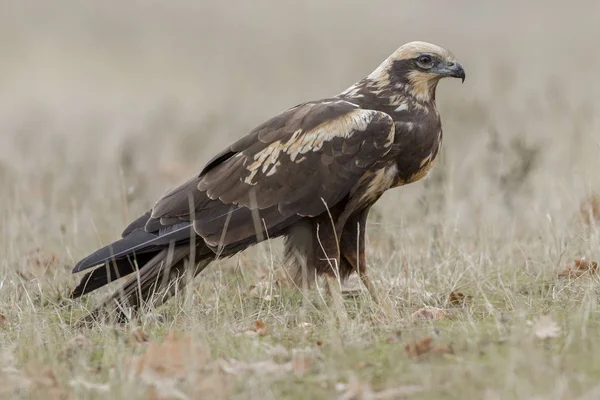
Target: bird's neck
pixel 392 96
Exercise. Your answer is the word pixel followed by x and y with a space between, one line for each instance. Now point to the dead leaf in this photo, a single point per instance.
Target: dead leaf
pixel 423 347
pixel 163 366
pixel 456 298
pixel 418 348
pixel 581 266
pixel 2 321
pixel 545 327
pixel 431 314
pixel 259 328
pixel 170 359
pixel 138 336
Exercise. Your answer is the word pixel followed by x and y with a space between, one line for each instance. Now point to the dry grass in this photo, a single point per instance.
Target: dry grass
pixel 103 107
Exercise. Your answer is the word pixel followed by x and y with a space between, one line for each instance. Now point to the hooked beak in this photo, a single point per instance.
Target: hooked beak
pixel 452 69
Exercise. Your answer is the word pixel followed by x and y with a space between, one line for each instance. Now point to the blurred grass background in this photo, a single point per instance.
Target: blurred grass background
pixel 153 89
pixel 106 105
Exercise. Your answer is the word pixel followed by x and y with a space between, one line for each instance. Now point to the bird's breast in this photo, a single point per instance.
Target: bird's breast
pixel 415 161
pixel 425 166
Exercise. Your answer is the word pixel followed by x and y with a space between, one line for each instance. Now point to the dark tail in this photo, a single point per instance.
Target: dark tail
pixel 110 272
pixel 154 258
pixel 160 276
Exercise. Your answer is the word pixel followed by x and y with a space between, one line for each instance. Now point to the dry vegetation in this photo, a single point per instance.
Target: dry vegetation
pixel 489 262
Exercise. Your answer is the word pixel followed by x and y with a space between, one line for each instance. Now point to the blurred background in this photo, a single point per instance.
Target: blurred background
pixel 106 105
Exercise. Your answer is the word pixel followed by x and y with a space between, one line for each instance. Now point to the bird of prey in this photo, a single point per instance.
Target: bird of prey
pixel 310 174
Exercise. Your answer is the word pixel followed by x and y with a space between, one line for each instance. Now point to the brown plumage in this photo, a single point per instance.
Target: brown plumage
pixel 310 174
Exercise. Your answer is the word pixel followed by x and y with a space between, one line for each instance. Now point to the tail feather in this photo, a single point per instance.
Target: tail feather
pixel 154 283
pixel 109 272
pixel 155 256
pixel 139 223
pixel 139 242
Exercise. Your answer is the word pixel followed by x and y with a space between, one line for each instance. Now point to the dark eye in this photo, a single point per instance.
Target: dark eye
pixel 425 61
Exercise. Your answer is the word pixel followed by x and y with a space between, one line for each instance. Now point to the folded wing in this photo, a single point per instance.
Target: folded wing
pixel 294 165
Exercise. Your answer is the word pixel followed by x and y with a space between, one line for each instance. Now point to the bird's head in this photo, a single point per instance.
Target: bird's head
pixel 417 67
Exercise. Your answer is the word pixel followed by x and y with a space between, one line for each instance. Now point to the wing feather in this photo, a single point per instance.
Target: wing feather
pixel 297 164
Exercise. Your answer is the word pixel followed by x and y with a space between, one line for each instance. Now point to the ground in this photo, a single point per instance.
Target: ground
pixel 488 262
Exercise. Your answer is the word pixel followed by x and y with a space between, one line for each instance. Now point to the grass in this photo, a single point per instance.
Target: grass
pixel 489 346
pixel 103 109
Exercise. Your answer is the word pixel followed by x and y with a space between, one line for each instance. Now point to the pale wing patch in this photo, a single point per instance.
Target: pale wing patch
pixel 402 107
pixel 273 169
pixel 425 160
pixel 397 100
pixel 380 181
pixel 268 159
pixel 354 90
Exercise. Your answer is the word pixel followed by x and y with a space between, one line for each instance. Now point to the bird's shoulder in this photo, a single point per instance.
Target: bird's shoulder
pixel 310 152
pixel 320 120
